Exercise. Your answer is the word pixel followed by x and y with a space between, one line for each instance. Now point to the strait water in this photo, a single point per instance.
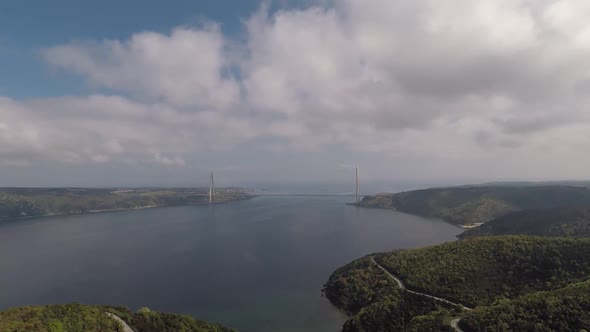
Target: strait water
pixel 256 265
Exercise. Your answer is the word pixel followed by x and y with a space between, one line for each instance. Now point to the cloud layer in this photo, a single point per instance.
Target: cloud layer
pixel 451 83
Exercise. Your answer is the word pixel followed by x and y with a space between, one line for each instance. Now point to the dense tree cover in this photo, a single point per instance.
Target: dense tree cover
pixel 406 312
pixel 562 221
pixel 57 318
pixel 31 202
pixel 85 318
pixel 480 270
pixel 150 321
pixel 375 302
pixel 566 309
pixel 517 283
pixel 467 205
pixel 358 285
pixel 438 320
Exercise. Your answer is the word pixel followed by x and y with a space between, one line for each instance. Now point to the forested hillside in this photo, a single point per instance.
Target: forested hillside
pixel 478 272
pixel 375 302
pixel 563 221
pixel 468 205
pixel 33 202
pixel 86 318
pixel 57 318
pixel 566 309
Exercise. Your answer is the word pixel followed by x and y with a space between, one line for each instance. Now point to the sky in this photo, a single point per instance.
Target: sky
pixel 158 93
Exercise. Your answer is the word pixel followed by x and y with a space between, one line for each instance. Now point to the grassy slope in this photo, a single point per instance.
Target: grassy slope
pixel 85 318
pixel 567 221
pixel 466 205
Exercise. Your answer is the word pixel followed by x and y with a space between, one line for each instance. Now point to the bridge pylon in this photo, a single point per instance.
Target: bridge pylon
pixel 211 189
pixel 357 192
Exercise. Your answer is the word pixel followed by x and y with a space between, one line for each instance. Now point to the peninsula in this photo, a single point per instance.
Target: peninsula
pixel 513 283
pixel 475 205
pixel 20 203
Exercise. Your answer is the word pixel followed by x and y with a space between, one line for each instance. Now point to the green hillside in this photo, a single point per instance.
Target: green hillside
pixel 86 318
pixel 477 272
pixel 564 221
pixel 468 205
pixel 566 309
pixel 481 270
pixel 18 203
pixel 57 318
pixel 375 303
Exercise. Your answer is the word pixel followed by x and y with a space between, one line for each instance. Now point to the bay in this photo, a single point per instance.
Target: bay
pixel 255 265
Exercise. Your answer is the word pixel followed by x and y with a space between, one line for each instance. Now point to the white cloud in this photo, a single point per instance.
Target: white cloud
pixel 101 128
pixel 187 68
pixel 442 81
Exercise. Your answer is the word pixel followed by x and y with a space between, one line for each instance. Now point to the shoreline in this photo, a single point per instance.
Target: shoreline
pixel 121 209
pixel 410 214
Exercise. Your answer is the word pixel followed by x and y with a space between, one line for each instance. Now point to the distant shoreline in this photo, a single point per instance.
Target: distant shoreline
pixel 87 212
pixel 359 205
pixel 122 209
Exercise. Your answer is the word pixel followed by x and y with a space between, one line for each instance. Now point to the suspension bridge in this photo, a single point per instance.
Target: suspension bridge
pixel 356 194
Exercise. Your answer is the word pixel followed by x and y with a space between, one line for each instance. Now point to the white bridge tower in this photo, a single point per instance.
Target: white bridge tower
pixel 357 193
pixel 211 189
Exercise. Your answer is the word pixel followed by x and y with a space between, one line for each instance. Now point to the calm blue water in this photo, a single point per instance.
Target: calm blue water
pixel 255 265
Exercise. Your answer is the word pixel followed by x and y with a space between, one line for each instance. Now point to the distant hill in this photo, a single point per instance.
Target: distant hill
pixel 18 203
pixel 468 205
pixel 89 318
pixel 483 272
pixel 575 183
pixel 561 221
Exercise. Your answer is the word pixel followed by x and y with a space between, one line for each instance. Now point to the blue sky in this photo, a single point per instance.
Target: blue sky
pixel 28 26
pixel 109 93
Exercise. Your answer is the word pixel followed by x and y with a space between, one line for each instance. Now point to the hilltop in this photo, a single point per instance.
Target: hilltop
pixel 482 272
pixel 91 318
pixel 479 204
pixel 16 203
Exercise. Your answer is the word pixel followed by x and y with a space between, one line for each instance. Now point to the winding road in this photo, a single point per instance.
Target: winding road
pixel 454 322
pixel 126 328
pixel 455 325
